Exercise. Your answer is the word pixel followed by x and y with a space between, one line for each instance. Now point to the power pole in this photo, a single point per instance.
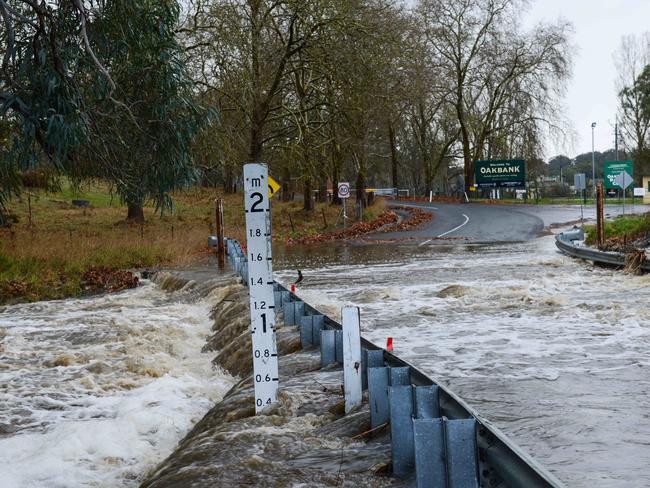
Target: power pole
pixel 616 138
pixel 593 159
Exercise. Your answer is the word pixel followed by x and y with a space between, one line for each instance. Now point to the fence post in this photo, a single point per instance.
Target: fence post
pixel 600 215
pixel 221 251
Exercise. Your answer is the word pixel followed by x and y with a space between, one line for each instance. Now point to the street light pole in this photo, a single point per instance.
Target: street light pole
pixel 593 158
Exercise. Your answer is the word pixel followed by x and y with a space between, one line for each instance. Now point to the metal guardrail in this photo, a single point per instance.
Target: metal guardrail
pixel 498 462
pixel 564 242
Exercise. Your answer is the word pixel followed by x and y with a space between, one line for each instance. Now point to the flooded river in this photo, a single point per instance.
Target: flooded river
pixel 95 392
pixel 554 351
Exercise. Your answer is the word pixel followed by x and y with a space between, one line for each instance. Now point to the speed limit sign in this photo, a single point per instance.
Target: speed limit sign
pixel 344 190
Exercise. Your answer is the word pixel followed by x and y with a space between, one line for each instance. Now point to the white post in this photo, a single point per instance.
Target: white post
pixel 260 276
pixel 430 196
pixel 351 357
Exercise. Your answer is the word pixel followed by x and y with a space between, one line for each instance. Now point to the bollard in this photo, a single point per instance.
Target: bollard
pixel 430 468
pixel 460 446
pixel 327 352
pixel 378 396
pixel 401 429
pixel 338 346
pixel 351 357
pixel 427 402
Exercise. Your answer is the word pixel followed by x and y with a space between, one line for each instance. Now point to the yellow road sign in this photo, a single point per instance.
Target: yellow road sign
pixel 274 186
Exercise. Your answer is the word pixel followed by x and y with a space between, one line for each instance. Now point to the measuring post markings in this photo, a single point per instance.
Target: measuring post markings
pixel 260 283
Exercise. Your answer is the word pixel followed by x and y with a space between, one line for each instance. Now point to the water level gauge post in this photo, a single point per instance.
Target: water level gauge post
pixel 260 284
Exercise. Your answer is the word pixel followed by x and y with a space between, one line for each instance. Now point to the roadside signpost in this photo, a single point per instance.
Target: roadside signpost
pixel 344 194
pixel 274 186
pixel 260 285
pixel 504 173
pixel 619 174
pixel 580 183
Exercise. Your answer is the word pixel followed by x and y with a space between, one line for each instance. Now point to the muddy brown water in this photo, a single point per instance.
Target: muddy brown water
pixel 556 352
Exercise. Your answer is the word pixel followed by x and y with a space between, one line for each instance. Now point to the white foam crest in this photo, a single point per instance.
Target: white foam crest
pixel 101 389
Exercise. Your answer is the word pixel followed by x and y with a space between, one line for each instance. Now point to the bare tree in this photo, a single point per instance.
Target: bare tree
pixel 488 63
pixel 632 56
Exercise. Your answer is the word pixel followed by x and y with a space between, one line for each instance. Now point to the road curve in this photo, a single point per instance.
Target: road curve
pixel 478 222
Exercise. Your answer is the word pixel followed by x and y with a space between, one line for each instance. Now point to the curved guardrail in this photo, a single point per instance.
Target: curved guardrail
pixel 501 462
pixel 565 243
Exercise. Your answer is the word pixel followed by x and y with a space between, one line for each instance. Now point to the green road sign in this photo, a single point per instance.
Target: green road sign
pixel 508 173
pixel 618 174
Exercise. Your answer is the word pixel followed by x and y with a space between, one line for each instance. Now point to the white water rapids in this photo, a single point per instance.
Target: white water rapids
pixel 95 392
pixel 555 351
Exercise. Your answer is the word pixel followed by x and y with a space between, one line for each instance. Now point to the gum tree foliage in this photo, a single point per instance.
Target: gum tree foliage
pixel 98 89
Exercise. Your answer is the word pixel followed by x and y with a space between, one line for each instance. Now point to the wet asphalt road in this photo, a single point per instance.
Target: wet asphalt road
pixel 496 223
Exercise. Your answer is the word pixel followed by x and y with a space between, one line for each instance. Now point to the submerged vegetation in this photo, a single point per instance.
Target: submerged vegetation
pixel 622 229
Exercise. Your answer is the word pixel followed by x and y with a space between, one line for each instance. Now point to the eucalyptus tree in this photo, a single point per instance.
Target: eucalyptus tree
pixel 97 89
pixel 148 134
pixel 41 103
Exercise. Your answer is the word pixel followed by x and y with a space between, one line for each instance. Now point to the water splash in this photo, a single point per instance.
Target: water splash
pixel 94 392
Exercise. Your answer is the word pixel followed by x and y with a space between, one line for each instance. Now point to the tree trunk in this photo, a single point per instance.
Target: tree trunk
pixel 337 163
pixel 135 213
pixel 228 179
pixel 361 185
pixel 393 153
pixel 258 108
pixel 257 134
pixel 322 190
pixel 308 205
pixel 335 187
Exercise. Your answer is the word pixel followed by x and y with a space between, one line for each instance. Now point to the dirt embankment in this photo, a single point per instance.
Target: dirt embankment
pixel 386 222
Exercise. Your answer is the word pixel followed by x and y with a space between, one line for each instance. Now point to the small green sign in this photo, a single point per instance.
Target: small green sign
pixel 618 174
pixel 508 173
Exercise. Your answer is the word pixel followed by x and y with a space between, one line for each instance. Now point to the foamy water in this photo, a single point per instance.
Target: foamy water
pixel 553 350
pixel 95 392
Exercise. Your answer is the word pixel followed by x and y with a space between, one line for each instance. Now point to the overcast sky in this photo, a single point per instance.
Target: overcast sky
pixel 591 95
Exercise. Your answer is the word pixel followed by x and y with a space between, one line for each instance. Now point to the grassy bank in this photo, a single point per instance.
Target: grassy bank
pixel 627 229
pixel 53 247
